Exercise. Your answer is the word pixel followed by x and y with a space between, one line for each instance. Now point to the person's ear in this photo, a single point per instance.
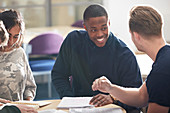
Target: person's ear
pixel 109 22
pixel 136 36
pixel 84 25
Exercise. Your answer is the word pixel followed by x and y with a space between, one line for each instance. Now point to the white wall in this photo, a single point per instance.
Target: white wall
pixel 119 16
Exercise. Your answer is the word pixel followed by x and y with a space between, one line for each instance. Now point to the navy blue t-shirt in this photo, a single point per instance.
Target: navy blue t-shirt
pixel 158 81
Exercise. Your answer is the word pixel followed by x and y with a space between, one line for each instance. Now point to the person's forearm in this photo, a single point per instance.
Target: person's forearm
pixel 129 96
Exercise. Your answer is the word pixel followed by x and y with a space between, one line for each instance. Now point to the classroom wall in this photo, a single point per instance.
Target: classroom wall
pixel 119 16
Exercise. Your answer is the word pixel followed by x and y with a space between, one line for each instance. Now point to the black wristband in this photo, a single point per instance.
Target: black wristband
pixel 114 99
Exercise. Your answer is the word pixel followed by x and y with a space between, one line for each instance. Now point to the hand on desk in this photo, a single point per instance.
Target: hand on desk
pixel 26 109
pixel 3 101
pixel 22 108
pixel 101 100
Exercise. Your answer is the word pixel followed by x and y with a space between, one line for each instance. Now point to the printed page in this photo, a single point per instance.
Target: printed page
pixel 75 102
pixel 52 111
pixel 95 110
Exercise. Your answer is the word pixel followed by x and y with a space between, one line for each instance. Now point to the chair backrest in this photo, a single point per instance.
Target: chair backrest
pixel 46 43
pixel 78 23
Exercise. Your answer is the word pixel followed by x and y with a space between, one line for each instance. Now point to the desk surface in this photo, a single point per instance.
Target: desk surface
pixel 30 33
pixel 54 104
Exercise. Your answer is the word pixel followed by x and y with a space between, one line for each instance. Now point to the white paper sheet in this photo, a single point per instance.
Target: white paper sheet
pixel 52 111
pixel 75 102
pixel 95 110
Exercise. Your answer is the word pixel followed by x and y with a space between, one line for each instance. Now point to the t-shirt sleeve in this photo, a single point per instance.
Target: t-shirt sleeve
pixel 158 81
pixel 158 88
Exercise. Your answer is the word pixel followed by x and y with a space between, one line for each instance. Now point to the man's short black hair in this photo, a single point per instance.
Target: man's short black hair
pixel 94 10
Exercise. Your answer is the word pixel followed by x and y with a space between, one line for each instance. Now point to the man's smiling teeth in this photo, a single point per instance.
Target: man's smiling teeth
pixel 100 39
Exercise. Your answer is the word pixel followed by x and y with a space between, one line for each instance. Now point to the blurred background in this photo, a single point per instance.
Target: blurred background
pixel 59 15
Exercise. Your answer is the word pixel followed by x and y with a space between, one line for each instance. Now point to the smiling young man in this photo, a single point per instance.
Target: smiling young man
pixel 91 53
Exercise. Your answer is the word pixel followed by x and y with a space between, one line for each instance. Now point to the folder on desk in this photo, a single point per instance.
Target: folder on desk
pixel 75 102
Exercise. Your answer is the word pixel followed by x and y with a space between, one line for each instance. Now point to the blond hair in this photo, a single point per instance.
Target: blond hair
pixel 146 21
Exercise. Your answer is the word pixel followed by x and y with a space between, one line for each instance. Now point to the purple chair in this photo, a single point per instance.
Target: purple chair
pixel 78 23
pixel 45 44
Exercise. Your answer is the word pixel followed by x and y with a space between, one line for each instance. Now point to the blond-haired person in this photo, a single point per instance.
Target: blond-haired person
pixel 146 31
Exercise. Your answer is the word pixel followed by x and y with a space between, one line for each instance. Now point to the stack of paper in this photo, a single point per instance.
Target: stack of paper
pixel 95 110
pixel 75 102
pixel 52 111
